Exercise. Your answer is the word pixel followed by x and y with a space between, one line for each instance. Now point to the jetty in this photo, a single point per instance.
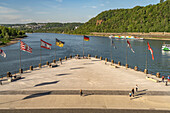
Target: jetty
pixel 84 85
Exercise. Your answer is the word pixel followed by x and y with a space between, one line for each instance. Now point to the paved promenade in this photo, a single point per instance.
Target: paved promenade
pixel 103 86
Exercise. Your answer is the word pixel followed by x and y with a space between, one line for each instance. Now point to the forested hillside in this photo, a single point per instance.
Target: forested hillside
pixel 6 34
pixel 152 18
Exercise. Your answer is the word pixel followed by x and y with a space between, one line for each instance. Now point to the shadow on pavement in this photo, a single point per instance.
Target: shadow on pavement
pixel 63 74
pixel 37 95
pixel 46 83
pixel 76 68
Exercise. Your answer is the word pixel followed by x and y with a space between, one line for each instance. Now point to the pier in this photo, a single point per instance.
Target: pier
pixel 104 85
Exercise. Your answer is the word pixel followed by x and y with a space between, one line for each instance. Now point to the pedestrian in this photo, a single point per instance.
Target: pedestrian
pixel 162 78
pixel 81 92
pixel 136 88
pixel 130 94
pixel 169 78
pixel 133 92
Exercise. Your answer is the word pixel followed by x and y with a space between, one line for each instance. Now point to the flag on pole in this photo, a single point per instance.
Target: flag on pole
pixel 59 43
pixel 149 48
pixel 45 45
pixel 86 38
pixel 113 44
pixel 25 47
pixel 129 45
pixel 2 53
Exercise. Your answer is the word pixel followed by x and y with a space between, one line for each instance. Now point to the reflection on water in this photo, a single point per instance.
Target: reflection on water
pixel 96 46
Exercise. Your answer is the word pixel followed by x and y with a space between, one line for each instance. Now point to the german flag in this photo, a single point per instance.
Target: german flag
pixel 86 38
pixel 59 43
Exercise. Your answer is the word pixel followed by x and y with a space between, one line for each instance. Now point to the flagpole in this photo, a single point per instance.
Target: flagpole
pixel 83 47
pixel 126 56
pixel 111 49
pixel 55 52
pixel 146 58
pixel 20 55
pixel 40 52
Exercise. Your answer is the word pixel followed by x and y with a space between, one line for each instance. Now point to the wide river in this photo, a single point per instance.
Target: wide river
pixel 100 46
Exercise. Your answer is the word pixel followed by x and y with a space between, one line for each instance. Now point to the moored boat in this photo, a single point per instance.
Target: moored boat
pixel 124 37
pixel 166 47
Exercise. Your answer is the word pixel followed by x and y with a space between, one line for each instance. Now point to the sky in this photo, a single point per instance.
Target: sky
pixel 43 11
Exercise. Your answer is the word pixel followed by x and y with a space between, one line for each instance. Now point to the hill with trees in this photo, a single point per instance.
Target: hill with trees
pixel 6 34
pixel 151 18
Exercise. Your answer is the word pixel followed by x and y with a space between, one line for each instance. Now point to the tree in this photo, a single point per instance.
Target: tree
pixel 161 1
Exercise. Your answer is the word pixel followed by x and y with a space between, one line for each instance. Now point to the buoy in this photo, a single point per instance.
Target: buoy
pixel 65 58
pixel 47 63
pixel 127 66
pixel 54 61
pixel 95 56
pixel 106 59
pixel 112 61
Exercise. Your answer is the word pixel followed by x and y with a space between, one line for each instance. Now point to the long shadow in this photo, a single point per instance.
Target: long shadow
pixel 63 74
pixel 87 63
pixel 142 90
pixel 37 95
pixel 76 68
pixel 46 83
pixel 140 94
pixel 95 60
pixel 18 79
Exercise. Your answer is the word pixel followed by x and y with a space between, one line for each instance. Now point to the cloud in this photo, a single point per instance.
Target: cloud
pixel 5 10
pixel 59 1
pixel 101 4
pixel 42 12
pixel 94 7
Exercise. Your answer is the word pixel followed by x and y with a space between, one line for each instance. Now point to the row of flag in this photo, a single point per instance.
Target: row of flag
pixel 46 45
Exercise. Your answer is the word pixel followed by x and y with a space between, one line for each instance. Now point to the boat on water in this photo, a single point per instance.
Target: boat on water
pixel 166 47
pixel 125 37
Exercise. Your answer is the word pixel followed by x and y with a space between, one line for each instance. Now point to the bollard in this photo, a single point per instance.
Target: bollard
pixel 47 63
pixel 112 61
pixel 54 61
pixel 95 56
pixel 166 83
pixel 31 68
pixel 8 74
pixel 71 56
pixel 39 65
pixel 20 70
pixel 119 63
pixel 106 59
pixel 100 58
pixel 89 55
pixel 136 68
pixel 158 74
pixel 65 58
pixel 146 71
pixel 60 59
pixel 127 66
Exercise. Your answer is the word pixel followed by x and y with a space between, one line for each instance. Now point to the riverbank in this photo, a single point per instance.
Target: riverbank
pixel 104 86
pixel 13 41
pixel 151 36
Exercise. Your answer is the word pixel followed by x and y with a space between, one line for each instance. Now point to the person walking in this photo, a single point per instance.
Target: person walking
pixel 162 78
pixel 133 92
pixel 136 88
pixel 169 78
pixel 81 92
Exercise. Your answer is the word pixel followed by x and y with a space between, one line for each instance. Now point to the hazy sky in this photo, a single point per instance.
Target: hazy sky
pixel 25 11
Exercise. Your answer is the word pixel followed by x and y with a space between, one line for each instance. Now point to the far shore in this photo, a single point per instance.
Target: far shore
pixel 13 41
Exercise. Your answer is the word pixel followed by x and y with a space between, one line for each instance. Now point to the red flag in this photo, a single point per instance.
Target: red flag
pixel 25 47
pixel 149 48
pixel 86 38
pixel 2 53
pixel 45 45
pixel 129 45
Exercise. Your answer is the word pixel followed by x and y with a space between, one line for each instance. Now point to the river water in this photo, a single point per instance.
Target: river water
pixel 96 46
